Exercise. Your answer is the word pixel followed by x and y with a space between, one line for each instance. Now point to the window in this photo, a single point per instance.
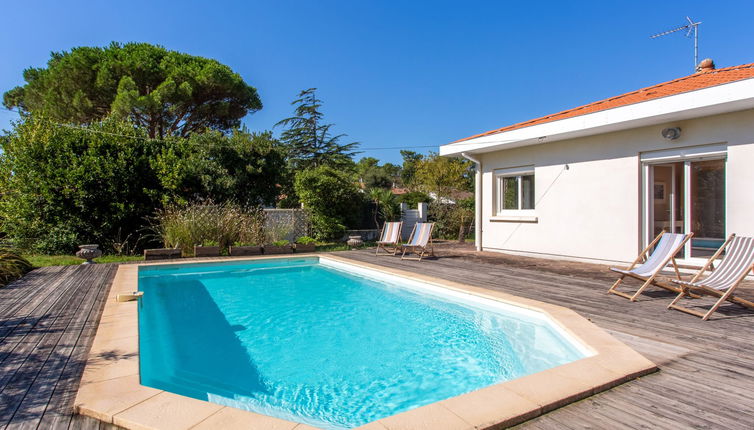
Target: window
pixel 515 189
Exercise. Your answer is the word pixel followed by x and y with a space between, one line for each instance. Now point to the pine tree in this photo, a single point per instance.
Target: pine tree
pixel 309 142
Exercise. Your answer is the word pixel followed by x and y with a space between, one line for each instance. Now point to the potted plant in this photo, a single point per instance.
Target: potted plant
pixel 244 248
pixel 305 244
pixel 278 247
pixel 208 248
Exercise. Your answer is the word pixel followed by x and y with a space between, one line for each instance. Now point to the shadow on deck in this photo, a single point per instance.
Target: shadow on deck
pixel 49 317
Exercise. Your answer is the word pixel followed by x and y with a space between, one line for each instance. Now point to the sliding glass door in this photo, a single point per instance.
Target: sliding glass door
pixel 707 200
pixel 685 194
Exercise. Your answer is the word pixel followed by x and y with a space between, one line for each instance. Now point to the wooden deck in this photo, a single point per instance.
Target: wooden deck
pixel 48 319
pixel 47 322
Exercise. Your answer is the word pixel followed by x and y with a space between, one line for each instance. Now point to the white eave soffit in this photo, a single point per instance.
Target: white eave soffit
pixel 725 98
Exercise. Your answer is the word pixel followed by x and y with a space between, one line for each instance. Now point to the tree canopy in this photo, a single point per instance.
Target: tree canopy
pixel 62 186
pixel 111 137
pixel 443 175
pixel 372 175
pixel 408 170
pixel 310 143
pixel 164 92
pixel 242 167
pixel 331 197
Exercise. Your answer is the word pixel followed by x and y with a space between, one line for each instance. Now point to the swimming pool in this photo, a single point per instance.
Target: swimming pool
pixel 328 343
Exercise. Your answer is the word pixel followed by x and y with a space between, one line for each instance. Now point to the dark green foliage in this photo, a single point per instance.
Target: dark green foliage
pixel 242 167
pixel 408 170
pixel 12 266
pixel 63 186
pixel 332 199
pixel 372 175
pixel 309 142
pixel 452 220
pixel 385 206
pixel 305 240
pixel 164 92
pixel 413 198
pixel 327 227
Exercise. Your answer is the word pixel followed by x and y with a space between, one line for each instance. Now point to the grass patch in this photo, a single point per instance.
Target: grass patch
pixel 340 246
pixel 69 260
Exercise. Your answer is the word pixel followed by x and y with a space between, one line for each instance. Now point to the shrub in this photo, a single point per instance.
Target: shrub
pixel 12 266
pixel 386 207
pixel 332 199
pixel 242 243
pixel 206 223
pixel 242 167
pixel 63 186
pixel 60 239
pixel 413 198
pixel 452 220
pixel 280 243
pixel 305 240
pixel 326 228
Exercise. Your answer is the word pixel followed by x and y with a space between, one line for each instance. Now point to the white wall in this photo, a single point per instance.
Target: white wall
pixel 593 210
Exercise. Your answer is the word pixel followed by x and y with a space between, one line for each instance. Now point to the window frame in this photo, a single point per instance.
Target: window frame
pixel 515 172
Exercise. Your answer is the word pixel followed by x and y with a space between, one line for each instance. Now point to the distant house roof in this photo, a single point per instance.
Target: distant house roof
pixel 703 79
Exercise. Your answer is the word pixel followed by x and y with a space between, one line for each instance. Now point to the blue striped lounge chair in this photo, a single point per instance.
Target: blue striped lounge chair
pixel 666 246
pixel 722 281
pixel 420 242
pixel 390 238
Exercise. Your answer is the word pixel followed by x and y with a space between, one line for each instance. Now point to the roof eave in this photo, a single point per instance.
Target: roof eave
pixel 715 100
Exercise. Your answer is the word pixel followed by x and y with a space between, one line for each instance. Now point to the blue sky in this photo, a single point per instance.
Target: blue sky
pixel 399 73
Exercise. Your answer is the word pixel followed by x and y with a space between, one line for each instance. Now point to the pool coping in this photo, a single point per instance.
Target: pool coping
pixel 110 390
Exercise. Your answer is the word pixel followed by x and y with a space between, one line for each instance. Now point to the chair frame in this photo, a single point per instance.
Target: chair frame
pixel 386 246
pixel 723 296
pixel 423 249
pixel 643 256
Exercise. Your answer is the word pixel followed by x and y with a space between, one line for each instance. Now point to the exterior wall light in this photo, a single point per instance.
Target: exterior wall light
pixel 671 133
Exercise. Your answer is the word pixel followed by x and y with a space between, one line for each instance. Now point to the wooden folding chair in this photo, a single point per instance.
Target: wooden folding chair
pixel 420 242
pixel 390 238
pixel 723 280
pixel 666 246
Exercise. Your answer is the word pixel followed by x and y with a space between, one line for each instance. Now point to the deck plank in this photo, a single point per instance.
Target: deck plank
pixel 37 352
pixel 48 320
pixel 57 412
pixel 707 367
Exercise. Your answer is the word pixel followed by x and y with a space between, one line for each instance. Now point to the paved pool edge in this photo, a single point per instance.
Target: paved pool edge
pixel 110 390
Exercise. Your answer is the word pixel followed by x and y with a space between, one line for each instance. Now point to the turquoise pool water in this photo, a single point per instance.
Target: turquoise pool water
pixel 329 344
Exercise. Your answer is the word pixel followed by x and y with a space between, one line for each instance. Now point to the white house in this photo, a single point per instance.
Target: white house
pixel 598 182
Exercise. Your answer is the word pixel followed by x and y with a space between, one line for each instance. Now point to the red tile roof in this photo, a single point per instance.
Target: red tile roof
pixel 694 82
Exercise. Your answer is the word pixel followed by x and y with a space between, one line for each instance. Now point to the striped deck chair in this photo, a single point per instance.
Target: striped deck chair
pixel 668 245
pixel 390 238
pixel 419 242
pixel 723 280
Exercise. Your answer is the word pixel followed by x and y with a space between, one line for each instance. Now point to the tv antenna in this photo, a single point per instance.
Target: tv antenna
pixel 691 27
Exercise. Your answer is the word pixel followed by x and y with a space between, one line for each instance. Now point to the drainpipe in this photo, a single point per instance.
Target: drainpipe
pixel 477 200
